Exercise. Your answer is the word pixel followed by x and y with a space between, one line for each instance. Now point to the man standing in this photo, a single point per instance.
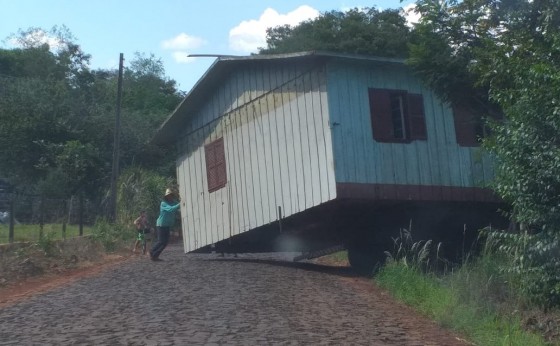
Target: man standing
pixel 167 209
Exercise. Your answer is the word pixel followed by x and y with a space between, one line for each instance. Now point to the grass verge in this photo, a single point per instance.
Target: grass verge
pixel 443 301
pixel 31 232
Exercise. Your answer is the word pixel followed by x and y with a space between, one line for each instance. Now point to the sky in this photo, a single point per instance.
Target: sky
pixel 168 29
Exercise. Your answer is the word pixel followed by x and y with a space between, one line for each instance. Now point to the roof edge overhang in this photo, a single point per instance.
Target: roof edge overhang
pixel 169 129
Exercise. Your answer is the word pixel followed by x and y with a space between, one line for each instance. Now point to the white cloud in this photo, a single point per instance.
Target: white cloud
pixel 182 57
pixel 180 45
pixel 249 35
pixel 183 41
pixel 411 16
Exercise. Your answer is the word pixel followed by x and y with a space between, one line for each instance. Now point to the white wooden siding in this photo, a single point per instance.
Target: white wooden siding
pixel 277 139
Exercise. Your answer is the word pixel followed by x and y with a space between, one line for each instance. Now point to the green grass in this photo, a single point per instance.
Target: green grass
pixel 30 232
pixel 443 300
pixel 340 256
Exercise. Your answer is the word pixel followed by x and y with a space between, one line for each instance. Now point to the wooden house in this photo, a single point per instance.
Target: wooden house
pixel 295 141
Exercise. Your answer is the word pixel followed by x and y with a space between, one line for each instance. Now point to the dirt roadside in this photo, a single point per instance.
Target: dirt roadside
pixel 28 269
pixel 26 288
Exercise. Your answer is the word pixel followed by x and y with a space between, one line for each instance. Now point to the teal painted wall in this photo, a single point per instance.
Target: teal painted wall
pixel 360 159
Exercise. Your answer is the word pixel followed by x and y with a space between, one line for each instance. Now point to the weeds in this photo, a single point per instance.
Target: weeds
pixel 110 235
pixel 46 243
pixel 413 254
pixel 476 299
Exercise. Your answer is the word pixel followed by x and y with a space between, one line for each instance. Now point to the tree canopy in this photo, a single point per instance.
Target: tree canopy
pixel 359 31
pixel 58 115
pixel 505 57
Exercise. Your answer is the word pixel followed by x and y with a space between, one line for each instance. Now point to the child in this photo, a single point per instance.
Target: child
pixel 143 229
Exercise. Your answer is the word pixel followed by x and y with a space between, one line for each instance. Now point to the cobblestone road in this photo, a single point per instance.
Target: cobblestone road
pixel 199 299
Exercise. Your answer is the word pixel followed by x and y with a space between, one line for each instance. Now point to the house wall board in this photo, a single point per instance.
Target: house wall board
pixel 437 161
pixel 275 125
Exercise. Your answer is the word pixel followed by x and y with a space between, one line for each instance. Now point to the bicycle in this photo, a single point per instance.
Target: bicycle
pixel 142 237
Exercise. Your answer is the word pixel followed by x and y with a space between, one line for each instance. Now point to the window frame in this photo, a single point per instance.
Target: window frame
pixel 412 117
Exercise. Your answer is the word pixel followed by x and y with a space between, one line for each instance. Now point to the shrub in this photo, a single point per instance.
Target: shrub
pixel 110 235
pixel 534 260
pixel 46 242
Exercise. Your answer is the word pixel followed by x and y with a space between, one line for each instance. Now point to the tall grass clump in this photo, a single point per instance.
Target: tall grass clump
pixel 410 272
pixel 140 189
pixel 111 236
pixel 414 254
pixel 467 298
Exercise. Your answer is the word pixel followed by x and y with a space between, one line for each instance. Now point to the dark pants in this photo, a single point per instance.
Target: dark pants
pixel 162 240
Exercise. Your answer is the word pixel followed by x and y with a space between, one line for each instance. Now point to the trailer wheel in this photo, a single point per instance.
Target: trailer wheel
pixel 365 260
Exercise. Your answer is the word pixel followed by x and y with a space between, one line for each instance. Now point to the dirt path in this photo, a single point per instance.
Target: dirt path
pixel 201 299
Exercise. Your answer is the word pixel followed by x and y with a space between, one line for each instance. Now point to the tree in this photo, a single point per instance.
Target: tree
pixel 149 98
pixel 33 111
pixel 507 55
pixel 523 72
pixel 57 115
pixel 359 31
pixel 504 56
pixel 448 40
pixel 40 99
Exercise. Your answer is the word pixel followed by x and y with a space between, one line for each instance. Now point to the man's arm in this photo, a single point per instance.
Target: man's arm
pixel 169 208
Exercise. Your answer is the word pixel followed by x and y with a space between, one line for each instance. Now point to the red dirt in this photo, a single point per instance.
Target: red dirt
pixel 27 288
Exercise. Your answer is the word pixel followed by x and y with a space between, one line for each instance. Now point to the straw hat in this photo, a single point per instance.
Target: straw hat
pixel 168 192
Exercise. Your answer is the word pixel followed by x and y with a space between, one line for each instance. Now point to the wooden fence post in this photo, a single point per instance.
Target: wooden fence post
pixel 65 206
pixel 41 217
pixel 12 219
pixel 81 213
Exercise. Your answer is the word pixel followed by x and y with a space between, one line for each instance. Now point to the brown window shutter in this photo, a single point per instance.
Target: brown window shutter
pixel 380 108
pixel 221 162
pixel 465 127
pixel 417 120
pixel 215 165
pixel 210 156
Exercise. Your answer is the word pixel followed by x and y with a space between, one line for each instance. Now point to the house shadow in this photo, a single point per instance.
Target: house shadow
pixel 308 266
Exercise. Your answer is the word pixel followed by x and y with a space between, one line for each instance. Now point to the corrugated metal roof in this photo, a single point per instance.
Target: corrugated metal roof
pixel 221 67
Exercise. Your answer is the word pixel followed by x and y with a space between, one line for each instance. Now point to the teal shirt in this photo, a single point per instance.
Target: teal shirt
pixel 167 214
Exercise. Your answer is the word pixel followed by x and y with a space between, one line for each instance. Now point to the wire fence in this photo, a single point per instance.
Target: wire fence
pixel 29 217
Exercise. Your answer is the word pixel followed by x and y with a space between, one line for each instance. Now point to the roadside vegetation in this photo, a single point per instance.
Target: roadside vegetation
pixel 481 299
pixel 32 232
pixel 37 251
pixel 440 298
